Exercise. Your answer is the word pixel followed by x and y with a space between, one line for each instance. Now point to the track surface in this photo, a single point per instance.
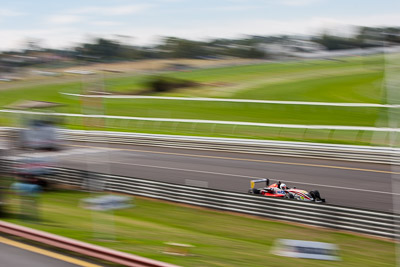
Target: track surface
pixel 360 185
pixel 19 255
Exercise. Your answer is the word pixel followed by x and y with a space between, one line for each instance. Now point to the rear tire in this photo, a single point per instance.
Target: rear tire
pixel 316 196
pixel 254 191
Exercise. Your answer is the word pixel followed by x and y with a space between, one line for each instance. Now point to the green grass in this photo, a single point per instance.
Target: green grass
pixel 356 88
pixel 273 70
pixel 235 131
pixel 353 79
pixel 220 239
pixel 244 112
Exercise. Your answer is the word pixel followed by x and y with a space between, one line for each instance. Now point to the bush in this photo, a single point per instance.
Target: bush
pixel 164 84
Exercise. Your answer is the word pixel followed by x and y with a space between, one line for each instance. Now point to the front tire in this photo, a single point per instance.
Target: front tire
pixel 289 196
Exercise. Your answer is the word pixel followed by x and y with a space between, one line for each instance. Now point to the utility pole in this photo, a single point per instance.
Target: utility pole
pixel 392 86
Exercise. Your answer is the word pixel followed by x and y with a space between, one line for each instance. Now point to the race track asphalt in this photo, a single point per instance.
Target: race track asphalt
pixel 21 255
pixel 353 184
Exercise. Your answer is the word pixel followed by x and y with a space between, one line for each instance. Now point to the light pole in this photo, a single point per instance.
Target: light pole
pixel 391 71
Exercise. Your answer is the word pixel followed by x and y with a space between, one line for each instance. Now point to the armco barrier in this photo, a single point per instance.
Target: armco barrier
pixel 106 254
pixel 322 215
pixel 380 155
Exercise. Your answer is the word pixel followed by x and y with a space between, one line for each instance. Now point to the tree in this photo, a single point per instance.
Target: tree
pixel 102 48
pixel 182 48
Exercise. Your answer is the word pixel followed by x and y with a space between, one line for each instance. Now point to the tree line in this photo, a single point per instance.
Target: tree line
pixel 102 49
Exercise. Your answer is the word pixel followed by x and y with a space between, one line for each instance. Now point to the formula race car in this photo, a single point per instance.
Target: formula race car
pixel 280 190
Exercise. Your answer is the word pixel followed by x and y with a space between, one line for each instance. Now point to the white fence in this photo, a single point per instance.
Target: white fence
pixel 215 122
pixel 234 100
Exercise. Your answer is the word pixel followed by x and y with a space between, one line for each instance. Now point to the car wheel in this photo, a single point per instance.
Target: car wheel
pixel 289 196
pixel 315 194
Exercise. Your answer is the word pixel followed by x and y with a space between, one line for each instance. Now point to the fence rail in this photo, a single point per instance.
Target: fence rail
pixel 215 122
pixel 235 100
pixel 237 129
pixel 370 154
pixel 383 155
pixel 376 223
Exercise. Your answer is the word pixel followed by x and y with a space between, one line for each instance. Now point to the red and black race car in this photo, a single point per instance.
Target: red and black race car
pixel 280 190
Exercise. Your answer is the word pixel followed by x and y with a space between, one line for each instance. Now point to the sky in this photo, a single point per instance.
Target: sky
pixel 64 24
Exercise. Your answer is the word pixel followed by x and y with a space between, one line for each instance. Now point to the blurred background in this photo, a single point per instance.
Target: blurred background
pixel 142 126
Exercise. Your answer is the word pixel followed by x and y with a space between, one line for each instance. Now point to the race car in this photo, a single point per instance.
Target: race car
pixel 280 190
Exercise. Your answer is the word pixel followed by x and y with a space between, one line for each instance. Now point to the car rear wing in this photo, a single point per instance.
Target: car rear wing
pixel 253 182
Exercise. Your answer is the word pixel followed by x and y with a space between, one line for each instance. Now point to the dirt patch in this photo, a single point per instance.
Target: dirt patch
pixel 229 90
pixel 124 69
pixel 218 84
pixel 161 65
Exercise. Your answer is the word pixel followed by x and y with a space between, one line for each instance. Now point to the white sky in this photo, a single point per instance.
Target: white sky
pixel 62 24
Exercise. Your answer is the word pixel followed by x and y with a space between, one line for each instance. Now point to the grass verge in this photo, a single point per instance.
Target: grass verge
pixel 353 79
pixel 220 239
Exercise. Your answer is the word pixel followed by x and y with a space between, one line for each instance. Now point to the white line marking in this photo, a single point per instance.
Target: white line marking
pixel 237 100
pixel 253 178
pixel 276 125
pixel 58 154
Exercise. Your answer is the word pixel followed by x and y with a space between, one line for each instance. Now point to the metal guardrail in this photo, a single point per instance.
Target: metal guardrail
pixel 382 224
pixel 370 154
pixel 374 223
pixel 383 155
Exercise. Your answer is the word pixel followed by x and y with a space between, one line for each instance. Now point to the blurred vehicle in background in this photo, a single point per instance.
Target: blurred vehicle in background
pixel 280 190
pixel 40 135
pixel 34 169
pixel 33 166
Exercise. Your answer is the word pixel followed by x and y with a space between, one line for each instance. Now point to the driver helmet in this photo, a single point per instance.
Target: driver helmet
pixel 283 186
